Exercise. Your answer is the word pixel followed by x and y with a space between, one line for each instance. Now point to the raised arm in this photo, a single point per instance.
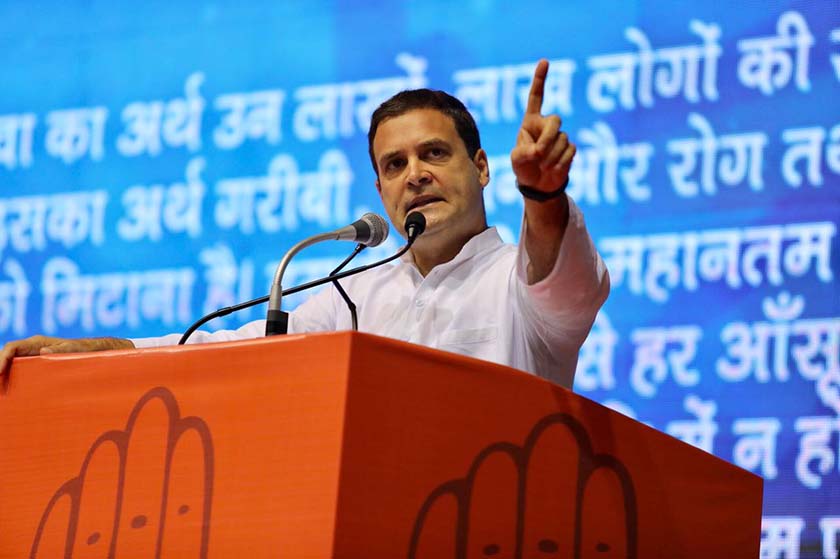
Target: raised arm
pixel 541 160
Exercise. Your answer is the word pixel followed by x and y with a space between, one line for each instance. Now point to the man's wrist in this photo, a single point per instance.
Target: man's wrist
pixel 539 195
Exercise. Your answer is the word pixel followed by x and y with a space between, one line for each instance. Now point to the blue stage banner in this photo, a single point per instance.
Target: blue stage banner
pixel 157 159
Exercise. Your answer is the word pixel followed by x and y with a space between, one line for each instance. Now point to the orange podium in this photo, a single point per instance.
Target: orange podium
pixel 344 445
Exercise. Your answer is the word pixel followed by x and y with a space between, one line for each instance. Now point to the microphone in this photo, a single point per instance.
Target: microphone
pixel 370 230
pixel 414 227
pixel 415 224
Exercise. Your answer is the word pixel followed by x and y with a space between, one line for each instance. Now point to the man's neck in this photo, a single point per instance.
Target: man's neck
pixel 429 252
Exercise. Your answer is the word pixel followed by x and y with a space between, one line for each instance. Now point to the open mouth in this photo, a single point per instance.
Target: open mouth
pixel 422 201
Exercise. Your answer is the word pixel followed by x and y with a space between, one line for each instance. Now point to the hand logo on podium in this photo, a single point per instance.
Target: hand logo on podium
pixel 552 497
pixel 147 487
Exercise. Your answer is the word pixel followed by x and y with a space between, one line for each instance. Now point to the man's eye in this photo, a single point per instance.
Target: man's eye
pixel 437 152
pixel 394 164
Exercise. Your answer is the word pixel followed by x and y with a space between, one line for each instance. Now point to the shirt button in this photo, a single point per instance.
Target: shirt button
pixel 419 303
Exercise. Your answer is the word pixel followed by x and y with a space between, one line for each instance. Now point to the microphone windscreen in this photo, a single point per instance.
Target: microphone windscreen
pixel 415 221
pixel 378 229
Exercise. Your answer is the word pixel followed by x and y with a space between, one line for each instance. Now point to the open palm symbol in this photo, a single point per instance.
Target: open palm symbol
pixel 146 490
pixel 552 497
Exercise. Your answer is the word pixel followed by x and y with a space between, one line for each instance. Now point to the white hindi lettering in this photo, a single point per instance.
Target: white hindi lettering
pixel 656 264
pixel 625 258
pixel 112 300
pixel 280 200
pixel 747 345
pixel 24 219
pixel 68 297
pixel 816 435
pixel 681 71
pixel 478 89
pixel 806 144
pixel 500 93
pixel 228 282
pixel 373 92
pixel 766 63
pixel 812 243
pixel 830 528
pixel 14 295
pixel 320 109
pixel 834 36
pixel 660 352
pixel 332 110
pixel 618 79
pixel 28 223
pixel 755 449
pixel 828 383
pixel 75 217
pixel 595 362
pixel 254 115
pixel 762 243
pixel 75 133
pixel 236 199
pixel 780 537
pixel 832 150
pixel 717 257
pixel 149 126
pixel 325 193
pixel 16 137
pixel 765 349
pixel 602 165
pixel 699 432
pixel 613 75
pixel 730 158
pixel 662 270
pixel 152 211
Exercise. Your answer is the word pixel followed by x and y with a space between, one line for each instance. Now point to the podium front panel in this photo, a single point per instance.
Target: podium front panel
pixel 344 445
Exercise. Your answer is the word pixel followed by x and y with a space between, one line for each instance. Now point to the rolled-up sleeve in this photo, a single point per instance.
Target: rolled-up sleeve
pixel 559 310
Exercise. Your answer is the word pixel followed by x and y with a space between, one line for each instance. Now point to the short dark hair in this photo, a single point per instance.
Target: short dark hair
pixel 414 99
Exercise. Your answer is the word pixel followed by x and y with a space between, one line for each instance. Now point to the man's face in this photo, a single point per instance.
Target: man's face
pixel 424 166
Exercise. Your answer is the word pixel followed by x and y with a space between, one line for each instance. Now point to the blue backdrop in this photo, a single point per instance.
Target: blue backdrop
pixel 157 160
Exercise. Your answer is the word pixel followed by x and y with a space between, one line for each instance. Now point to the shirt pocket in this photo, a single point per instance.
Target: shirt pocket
pixel 468 337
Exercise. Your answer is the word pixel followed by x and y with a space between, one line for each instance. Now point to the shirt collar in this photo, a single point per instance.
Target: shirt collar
pixel 486 240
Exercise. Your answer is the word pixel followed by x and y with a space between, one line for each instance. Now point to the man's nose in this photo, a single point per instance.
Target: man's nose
pixel 418 175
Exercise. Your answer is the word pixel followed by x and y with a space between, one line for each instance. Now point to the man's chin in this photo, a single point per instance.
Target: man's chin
pixel 434 223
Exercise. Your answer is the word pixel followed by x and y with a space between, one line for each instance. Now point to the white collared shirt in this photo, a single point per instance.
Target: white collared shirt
pixel 478 304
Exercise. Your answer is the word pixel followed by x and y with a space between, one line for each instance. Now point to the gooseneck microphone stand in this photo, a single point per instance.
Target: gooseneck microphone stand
pixel 414 226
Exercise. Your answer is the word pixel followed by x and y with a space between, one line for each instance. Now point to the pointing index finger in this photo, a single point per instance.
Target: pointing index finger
pixel 535 97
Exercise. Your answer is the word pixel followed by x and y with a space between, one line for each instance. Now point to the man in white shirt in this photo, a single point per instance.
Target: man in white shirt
pixel 459 288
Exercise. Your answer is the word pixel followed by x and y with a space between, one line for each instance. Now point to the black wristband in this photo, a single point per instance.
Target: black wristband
pixel 539 195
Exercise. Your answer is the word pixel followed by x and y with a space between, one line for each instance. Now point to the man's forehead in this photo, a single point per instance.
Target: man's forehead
pixel 415 126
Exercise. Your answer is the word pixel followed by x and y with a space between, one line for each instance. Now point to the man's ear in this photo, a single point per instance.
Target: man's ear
pixel 378 187
pixel 483 166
